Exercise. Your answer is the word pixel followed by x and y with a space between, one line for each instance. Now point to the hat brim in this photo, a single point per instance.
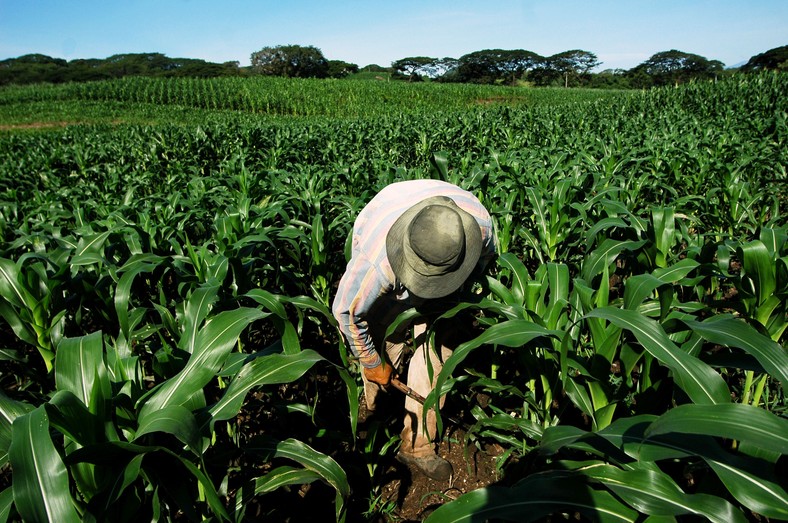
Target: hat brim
pixel 437 286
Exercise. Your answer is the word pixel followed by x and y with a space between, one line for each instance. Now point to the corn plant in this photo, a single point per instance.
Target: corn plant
pixel 165 281
pixel 122 442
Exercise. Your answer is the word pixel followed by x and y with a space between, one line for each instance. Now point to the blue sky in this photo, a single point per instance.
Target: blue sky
pixel 621 33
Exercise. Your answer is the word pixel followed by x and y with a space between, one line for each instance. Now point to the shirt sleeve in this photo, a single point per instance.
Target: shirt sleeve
pixel 489 246
pixel 360 287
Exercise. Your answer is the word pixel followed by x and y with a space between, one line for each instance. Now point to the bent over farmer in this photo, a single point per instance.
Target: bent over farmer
pixel 415 244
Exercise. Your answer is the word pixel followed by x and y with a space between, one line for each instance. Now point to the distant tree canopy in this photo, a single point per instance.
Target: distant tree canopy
pixel 773 59
pixel 415 67
pixel 674 67
pixel 340 69
pixel 290 61
pixel 34 68
pixel 575 65
pixel 508 66
pixel 494 66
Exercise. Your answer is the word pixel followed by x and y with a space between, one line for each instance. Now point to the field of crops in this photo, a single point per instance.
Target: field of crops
pixel 168 263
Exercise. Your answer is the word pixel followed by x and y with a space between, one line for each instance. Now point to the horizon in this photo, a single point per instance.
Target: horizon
pixel 621 35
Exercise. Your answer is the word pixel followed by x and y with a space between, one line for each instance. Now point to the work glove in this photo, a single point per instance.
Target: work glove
pixel 380 374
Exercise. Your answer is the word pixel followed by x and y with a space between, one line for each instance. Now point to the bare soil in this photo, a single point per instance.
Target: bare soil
pixel 414 496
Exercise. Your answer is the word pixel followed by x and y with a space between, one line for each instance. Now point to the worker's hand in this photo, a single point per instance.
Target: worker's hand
pixel 380 374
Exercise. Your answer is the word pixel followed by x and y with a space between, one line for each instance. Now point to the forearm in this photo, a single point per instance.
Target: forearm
pixel 358 290
pixel 356 334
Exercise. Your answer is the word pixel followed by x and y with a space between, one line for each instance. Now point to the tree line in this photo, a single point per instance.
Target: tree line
pixel 572 68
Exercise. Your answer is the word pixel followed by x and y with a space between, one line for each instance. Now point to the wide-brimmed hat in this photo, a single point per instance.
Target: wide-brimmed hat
pixel 433 247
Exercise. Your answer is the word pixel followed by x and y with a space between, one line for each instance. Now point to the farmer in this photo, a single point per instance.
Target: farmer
pixel 415 244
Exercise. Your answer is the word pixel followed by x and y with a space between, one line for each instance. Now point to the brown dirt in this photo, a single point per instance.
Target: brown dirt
pixel 412 496
pixel 34 125
pixel 50 125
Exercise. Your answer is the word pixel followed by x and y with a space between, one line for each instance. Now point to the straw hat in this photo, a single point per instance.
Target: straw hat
pixel 433 247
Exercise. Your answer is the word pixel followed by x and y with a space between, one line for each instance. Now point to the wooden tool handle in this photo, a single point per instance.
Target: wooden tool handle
pixel 407 390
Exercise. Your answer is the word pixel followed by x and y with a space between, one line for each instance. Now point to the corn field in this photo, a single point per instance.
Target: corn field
pixel 168 351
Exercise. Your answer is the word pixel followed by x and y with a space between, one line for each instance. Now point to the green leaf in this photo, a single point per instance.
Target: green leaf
pixel 640 286
pixel 197 308
pixel 69 415
pixel 211 348
pixel 729 421
pixel 277 478
pixel 604 255
pixel 90 245
pixel 9 411
pixel 80 369
pixel 172 419
pixel 556 437
pixel 519 275
pixel 532 499
pixel 655 493
pixel 701 383
pixel 508 423
pixel 750 481
pixel 6 502
pixel 10 287
pixel 731 332
pixel 759 267
pixel 351 386
pixel 125 477
pixel 136 265
pixel 40 486
pixel 510 333
pixel 265 370
pixel 300 452
pixel 269 300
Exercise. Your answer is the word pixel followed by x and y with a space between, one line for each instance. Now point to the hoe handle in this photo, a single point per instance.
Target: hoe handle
pixel 407 390
pixel 418 397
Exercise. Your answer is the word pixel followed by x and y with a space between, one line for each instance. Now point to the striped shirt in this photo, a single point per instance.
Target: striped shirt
pixel 369 278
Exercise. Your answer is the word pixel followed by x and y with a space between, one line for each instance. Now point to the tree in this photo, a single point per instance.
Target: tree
pixel 33 68
pixel 773 59
pixel 445 65
pixel 610 79
pixel 340 69
pixel 291 61
pixel 495 65
pixel 415 66
pixel 575 63
pixel 561 67
pixel 675 67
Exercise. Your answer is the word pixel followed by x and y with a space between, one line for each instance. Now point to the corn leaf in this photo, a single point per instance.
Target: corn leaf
pixel 655 493
pixel 640 286
pixel 533 498
pixel 41 489
pixel 727 330
pixel 80 369
pixel 11 288
pixel 729 421
pixel 197 309
pixel 172 419
pixel 212 346
pixel 9 411
pixel 510 333
pixel 604 255
pixel 265 370
pixel 300 452
pixel 6 502
pixel 752 482
pixel 701 383
pixel 519 275
pixel 759 267
pixel 277 478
